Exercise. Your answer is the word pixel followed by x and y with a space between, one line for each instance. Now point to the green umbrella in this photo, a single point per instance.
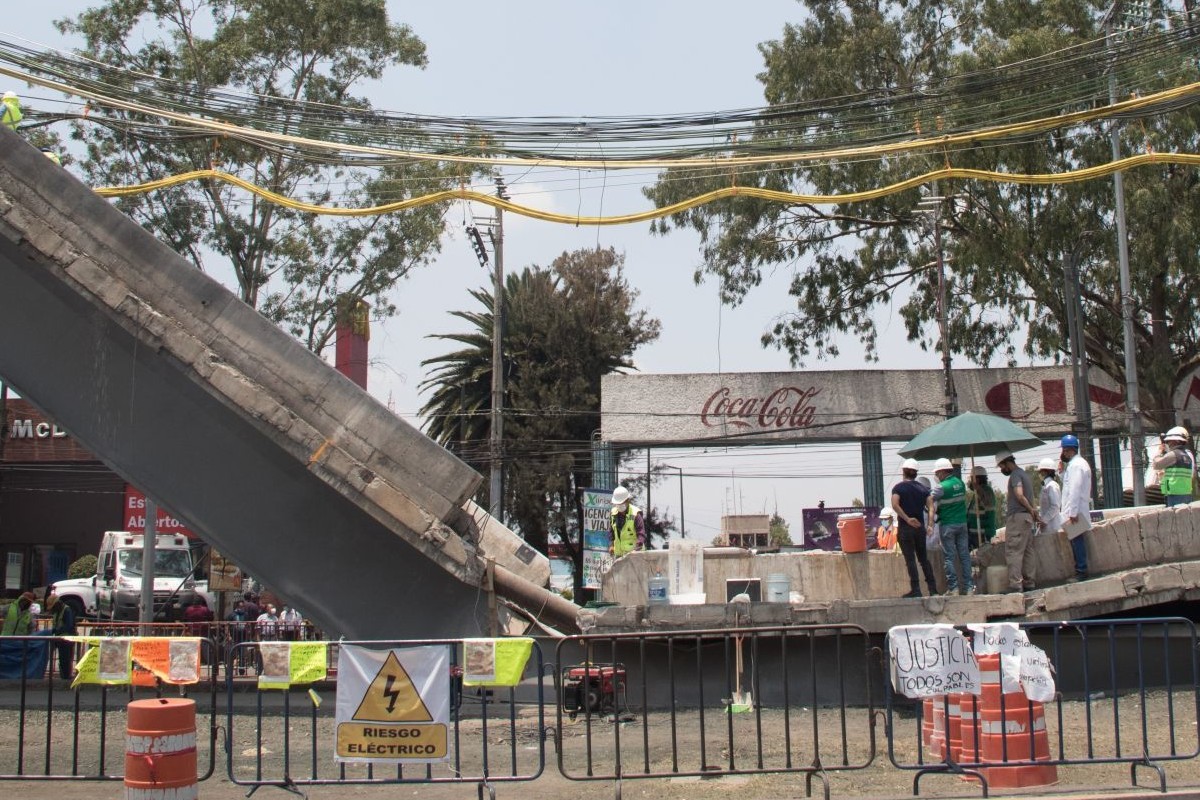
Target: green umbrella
pixel 968 435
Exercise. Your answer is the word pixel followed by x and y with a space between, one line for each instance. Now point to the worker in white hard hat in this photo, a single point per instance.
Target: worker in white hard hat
pixel 914 512
pixel 1019 518
pixel 10 110
pixel 981 508
pixel 950 498
pixel 1050 500
pixel 1178 466
pixel 628 525
pixel 885 534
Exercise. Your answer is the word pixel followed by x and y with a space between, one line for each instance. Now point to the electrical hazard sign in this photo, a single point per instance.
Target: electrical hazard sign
pixel 393 705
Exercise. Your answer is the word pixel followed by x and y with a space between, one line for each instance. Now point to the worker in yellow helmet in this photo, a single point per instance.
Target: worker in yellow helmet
pixel 10 110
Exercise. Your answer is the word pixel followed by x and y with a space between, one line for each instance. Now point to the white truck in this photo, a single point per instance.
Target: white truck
pixel 118 579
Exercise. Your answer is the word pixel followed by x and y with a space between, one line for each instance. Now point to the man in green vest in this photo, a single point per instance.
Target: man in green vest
pixel 628 525
pixel 17 619
pixel 1178 466
pixel 10 110
pixel 950 496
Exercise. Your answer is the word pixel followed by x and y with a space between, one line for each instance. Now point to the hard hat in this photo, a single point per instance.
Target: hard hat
pixel 10 96
pixel 1048 463
pixel 620 495
pixel 910 463
pixel 1003 456
pixel 887 512
pixel 943 464
pixel 979 471
pixel 1070 440
pixel 1176 434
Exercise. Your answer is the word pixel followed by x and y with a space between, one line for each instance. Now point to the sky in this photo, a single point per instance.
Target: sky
pixel 620 57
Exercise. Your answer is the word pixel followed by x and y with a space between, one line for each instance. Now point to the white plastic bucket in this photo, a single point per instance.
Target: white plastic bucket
pixel 779 588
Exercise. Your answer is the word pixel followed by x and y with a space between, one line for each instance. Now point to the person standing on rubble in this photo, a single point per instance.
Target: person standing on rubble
pixel 627 524
pixel 914 512
pixel 1178 466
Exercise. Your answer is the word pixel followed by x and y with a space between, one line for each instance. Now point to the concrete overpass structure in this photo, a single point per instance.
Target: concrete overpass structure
pixel 1138 558
pixel 265 450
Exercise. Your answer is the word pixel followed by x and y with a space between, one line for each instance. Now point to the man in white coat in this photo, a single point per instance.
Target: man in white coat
pixel 1076 499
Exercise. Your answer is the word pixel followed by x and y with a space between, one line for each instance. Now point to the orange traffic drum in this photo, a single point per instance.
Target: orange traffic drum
pixel 160 749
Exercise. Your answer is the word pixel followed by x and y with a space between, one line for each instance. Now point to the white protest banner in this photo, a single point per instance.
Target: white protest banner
pixel 393 705
pixel 1024 665
pixel 1036 671
pixel 928 660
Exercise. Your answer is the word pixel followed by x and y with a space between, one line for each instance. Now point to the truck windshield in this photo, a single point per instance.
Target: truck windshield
pixel 167 563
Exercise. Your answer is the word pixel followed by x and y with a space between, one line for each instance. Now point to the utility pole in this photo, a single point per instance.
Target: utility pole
pixel 935 205
pixel 496 485
pixel 1132 406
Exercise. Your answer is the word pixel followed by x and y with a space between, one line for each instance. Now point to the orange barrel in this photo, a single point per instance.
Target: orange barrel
pixel 937 731
pixel 852 529
pixel 1011 729
pixel 968 710
pixel 954 726
pixel 1020 736
pixel 927 718
pixel 160 749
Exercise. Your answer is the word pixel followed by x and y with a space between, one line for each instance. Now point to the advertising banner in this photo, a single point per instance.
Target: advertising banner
pixel 134 518
pixel 821 531
pixel 844 405
pixel 597 513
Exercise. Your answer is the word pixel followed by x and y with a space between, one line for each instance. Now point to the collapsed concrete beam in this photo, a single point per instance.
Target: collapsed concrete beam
pixel 260 446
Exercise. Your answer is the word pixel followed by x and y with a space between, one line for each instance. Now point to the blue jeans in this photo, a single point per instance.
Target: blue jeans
pixel 1079 550
pixel 956 548
pixel 1178 499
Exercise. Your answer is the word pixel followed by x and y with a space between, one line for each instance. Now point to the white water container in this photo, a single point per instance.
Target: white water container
pixel 779 588
pixel 658 594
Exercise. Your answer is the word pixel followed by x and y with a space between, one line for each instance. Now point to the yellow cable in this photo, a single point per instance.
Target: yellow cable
pixel 946 173
pixel 982 134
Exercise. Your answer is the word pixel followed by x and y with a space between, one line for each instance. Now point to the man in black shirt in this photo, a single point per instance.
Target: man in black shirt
pixel 914 514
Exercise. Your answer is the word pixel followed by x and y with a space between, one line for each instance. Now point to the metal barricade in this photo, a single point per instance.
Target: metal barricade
pixel 1127 692
pixel 745 700
pixel 49 731
pixel 496 734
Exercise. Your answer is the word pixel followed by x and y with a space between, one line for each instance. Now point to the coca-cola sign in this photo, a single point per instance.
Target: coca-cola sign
pixel 787 407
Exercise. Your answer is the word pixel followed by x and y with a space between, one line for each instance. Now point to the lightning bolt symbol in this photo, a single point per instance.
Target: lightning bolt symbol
pixel 391 694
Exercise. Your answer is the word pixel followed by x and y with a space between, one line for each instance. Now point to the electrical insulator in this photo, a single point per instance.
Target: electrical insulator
pixel 477 245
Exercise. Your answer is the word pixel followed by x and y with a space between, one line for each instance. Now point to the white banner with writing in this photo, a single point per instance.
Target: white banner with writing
pixel 1023 665
pixel 930 660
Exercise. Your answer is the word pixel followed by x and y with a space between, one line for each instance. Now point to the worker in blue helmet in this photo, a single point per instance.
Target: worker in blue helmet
pixel 1076 502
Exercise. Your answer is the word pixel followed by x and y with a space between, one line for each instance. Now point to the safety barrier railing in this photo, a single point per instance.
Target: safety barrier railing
pixel 1126 692
pixel 793 699
pixel 53 730
pixel 493 734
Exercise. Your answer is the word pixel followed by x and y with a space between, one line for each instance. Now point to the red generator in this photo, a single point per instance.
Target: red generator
pixel 593 688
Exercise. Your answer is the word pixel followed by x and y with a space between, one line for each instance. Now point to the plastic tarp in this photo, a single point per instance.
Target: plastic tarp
pixel 23 656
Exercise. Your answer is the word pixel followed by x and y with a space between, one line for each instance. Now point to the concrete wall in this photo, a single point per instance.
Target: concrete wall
pixel 818 575
pixel 1144 537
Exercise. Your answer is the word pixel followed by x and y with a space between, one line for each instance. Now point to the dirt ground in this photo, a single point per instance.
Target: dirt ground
pixel 654 749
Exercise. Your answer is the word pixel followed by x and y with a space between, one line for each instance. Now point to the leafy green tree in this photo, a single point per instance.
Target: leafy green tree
pixel 1004 244
pixel 290 66
pixel 565 327
pixel 780 532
